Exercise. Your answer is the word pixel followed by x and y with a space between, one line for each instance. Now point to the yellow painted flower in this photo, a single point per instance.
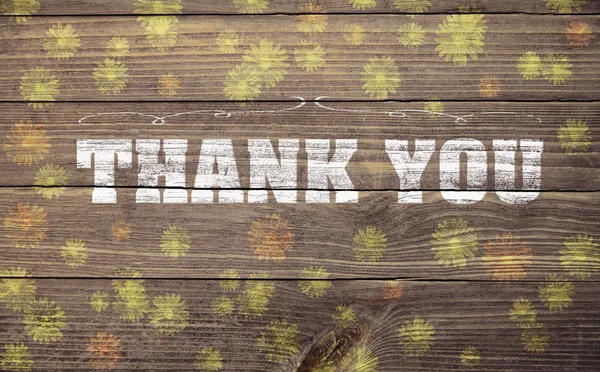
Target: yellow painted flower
pixel 118 47
pixel 313 22
pixel 175 242
pixel 556 293
pixel 242 84
pixel 470 357
pixel 99 301
pixel 461 37
pixel 16 357
pixel 359 359
pixel 565 6
pixel 279 341
pixel 104 351
pixel 111 76
pixel 581 256
pixel 314 284
pixel 530 65
pixel 344 316
pixel 416 337
pixel 454 242
pixel 310 56
pixel 469 9
pixel 369 244
pixel 579 33
pixel 20 10
pixel 556 68
pixel 130 300
pixel 17 289
pixel 230 280
pixel 27 143
pixel 412 6
pixel 380 77
pixel 354 34
pixel 506 257
pixel 489 87
pixel 575 137
pixel 254 300
pixel 157 7
pixel 39 86
pixel 362 4
pixel 411 35
pixel 121 230
pixel 268 60
pixel 271 237
pixel 161 31
pixel 208 360
pixel 25 226
pixel 535 339
pixel 168 85
pixel 222 306
pixel 251 6
pixel 523 313
pixel 50 181
pixel 170 315
pixel 228 42
pixel 74 253
pixel 44 320
pixel 434 107
pixel 61 42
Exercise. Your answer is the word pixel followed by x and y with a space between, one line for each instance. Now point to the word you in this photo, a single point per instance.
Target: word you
pixel 217 169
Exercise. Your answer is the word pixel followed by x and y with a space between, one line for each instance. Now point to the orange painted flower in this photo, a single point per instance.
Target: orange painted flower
pixel 271 237
pixel 26 226
pixel 489 86
pixel 393 290
pixel 121 230
pixel 579 33
pixel 506 257
pixel 104 351
pixel 168 85
pixel 27 143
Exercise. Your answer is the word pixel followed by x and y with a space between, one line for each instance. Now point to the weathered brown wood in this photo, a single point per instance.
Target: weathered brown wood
pixel 462 315
pixel 202 68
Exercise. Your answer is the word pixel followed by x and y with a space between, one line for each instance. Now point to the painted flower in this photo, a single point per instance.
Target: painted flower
pixel 310 56
pixel 74 253
pixel 99 301
pixel 412 6
pixel 44 320
pixel 26 226
pixel 271 237
pixel 506 257
pixel 454 242
pixel 228 42
pixel 380 77
pixel 168 85
pixel 61 42
pixel 104 351
pixel 313 22
pixel 170 315
pixel 535 339
pixel 121 230
pixel 416 337
pixel 175 242
pixel 20 10
pixel 111 76
pixel 470 357
pixel 362 4
pixel 130 300
pixel 359 359
pixel 17 289
pixel 530 65
pixel 268 61
pixel 434 107
pixel 16 357
pixel 161 32
pixel 575 137
pixel 50 181
pixel 581 256
pixel 344 316
pixel 27 143
pixel 242 84
pixel 39 86
pixel 461 37
pixel 579 33
pixel 314 284
pixel 157 7
pixel 251 6
pixel 565 6
pixel 369 244
pixel 523 313
pixel 393 290
pixel 489 86
pixel 208 360
pixel 354 34
pixel 118 47
pixel 556 293
pixel 230 280
pixel 254 300
pixel 222 306
pixel 279 341
pixel 556 68
pixel 411 35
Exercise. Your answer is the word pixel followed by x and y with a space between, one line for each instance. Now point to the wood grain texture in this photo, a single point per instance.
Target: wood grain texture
pixel 202 68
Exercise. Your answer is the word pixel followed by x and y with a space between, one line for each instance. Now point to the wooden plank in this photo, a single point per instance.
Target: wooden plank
pixel 200 68
pixel 222 236
pixel 461 315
